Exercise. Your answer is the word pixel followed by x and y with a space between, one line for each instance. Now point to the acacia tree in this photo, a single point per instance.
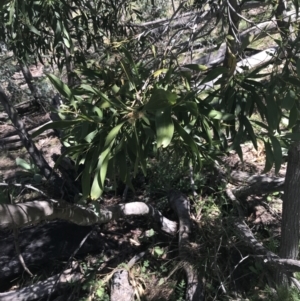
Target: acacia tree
pixel 125 110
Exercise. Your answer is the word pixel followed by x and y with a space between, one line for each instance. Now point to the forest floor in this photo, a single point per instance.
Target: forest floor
pixel 264 213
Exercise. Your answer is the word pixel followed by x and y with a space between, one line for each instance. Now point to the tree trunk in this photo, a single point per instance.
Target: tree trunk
pixel 29 79
pixel 289 246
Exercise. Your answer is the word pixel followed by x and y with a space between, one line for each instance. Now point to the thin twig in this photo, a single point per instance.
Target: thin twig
pixel 69 260
pixel 29 187
pixel 21 259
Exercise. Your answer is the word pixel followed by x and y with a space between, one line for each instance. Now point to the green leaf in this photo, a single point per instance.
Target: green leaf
pixel 298 65
pixel 293 116
pixel 272 113
pixel 213 114
pixel 195 67
pixel 159 72
pixel 292 136
pixel 34 30
pixel 112 134
pixel 22 163
pixel 160 99
pixel 66 42
pixel 261 124
pixel 213 74
pixel 60 86
pixel 88 138
pixel 189 141
pixel 158 251
pixel 88 88
pixel 277 153
pixel 55 125
pixel 289 100
pixel 100 174
pixel 250 131
pixel 164 127
pixel 192 107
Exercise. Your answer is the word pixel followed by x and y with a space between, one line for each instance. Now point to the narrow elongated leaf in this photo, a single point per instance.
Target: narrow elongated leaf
pixel 159 72
pixel 22 163
pixel 70 150
pixel 298 64
pixel 164 127
pixel 261 124
pixel 55 125
pixel 292 136
pixel 272 113
pixel 34 30
pixel 289 100
pixel 112 134
pixel 293 116
pixel 160 99
pixel 100 174
pixel 277 153
pixel 207 131
pixel 60 86
pixel 213 74
pixel 250 131
pixel 195 67
pixel 189 141
pixel 88 88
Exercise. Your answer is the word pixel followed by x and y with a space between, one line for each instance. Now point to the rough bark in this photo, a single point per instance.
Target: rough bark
pixel 121 290
pixel 268 258
pixel 254 184
pixel 63 188
pixel 29 79
pixel 37 157
pixel 26 107
pixel 181 206
pixel 289 246
pixel 13 142
pixel 19 215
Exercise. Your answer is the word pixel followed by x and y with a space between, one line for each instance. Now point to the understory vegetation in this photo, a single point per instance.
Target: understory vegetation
pixel 149 150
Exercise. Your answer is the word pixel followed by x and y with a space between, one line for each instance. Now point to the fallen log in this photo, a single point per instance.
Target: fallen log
pixel 258 31
pixel 181 206
pixel 255 184
pixel 14 142
pixel 267 257
pixel 19 215
pixel 26 107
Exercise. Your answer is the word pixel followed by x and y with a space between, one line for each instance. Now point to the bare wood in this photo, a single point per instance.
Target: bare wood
pixel 121 290
pixel 183 18
pixel 19 215
pixel 21 259
pixel 254 184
